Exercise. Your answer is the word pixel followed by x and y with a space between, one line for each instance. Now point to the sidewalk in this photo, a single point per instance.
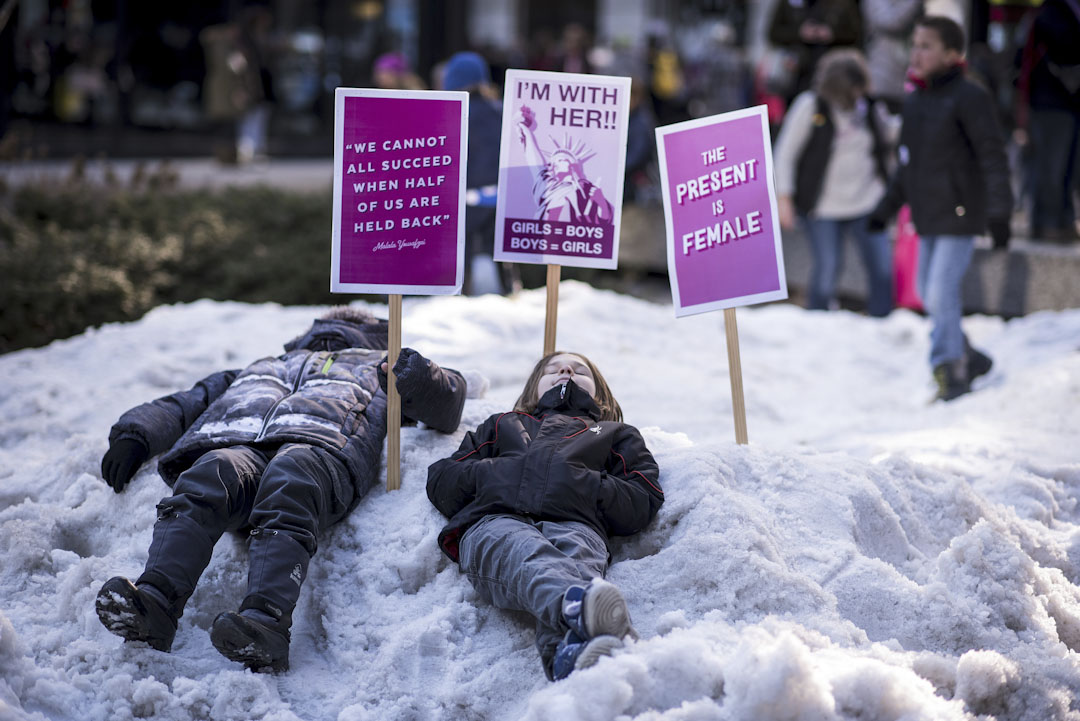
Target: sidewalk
pixel 298 174
pixel 1031 276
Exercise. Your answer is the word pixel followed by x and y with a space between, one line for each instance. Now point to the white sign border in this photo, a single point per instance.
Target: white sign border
pixel 782 293
pixel 336 286
pixel 502 256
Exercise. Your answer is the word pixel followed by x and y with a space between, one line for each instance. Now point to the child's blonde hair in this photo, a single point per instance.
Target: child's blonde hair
pixel 609 407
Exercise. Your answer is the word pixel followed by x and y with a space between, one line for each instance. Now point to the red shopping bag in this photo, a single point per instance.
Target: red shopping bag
pixel 906 262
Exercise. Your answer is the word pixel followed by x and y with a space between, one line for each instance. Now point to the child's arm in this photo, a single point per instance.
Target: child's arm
pixel 432 395
pixel 451 482
pixel 630 492
pixel 978 119
pixel 157 425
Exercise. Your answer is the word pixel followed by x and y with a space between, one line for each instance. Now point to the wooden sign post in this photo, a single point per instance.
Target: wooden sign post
pixel 723 238
pixel 551 317
pixel 738 405
pixel 399 209
pixel 393 400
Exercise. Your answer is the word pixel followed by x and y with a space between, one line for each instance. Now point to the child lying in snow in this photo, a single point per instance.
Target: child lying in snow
pixel 532 496
pixel 283 449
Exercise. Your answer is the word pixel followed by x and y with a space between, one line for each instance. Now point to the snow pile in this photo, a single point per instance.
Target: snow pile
pixel 868 555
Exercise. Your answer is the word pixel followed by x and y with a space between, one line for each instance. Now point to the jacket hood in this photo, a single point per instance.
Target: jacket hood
pixel 335 334
pixel 570 399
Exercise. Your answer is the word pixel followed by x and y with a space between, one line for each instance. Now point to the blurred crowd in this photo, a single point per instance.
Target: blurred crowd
pixel 239 69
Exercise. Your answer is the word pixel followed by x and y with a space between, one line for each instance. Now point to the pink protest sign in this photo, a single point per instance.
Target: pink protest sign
pixel 561 169
pixel 723 238
pixel 399 191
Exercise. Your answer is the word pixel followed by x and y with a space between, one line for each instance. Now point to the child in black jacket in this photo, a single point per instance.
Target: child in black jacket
pixel 281 449
pixel 533 495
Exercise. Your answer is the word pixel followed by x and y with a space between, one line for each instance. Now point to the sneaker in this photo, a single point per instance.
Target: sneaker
pixel 599 610
pixel 574 654
pixel 259 646
pixel 951 384
pixel 598 620
pixel 134 614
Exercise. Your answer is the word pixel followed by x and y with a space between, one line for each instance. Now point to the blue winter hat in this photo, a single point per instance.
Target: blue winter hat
pixel 464 70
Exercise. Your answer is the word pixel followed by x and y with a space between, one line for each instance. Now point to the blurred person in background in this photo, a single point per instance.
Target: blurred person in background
pixel 238 85
pixel 8 74
pixel 667 83
pixel 1048 118
pixel 640 184
pixel 887 27
pixel 391 71
pixel 470 72
pixel 954 174
pixel 807 29
pixel 718 74
pixel 831 170
pixel 573 55
pixel 543 53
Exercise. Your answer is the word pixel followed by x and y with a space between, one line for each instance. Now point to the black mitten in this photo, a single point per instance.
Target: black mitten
pixel 432 395
pixel 121 461
pixel 1000 232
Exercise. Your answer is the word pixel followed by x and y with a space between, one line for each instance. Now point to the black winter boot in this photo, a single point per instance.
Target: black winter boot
pixel 179 553
pixel 136 613
pixel 978 363
pixel 258 636
pixel 261 645
pixel 952 380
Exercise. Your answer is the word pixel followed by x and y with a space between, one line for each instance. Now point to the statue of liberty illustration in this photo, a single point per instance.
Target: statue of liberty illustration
pixel 561 190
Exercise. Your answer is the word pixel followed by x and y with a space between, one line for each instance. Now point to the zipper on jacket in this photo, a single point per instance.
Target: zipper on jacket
pixel 296 386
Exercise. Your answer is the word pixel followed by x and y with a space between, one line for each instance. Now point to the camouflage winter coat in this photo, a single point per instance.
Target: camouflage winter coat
pixel 328 399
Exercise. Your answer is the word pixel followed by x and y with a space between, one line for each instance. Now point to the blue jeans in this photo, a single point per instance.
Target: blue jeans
pixel 827 243
pixel 943 260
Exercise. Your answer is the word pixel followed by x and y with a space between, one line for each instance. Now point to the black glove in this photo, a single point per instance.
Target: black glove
pixel 121 461
pixel 428 393
pixel 877 222
pixel 1000 232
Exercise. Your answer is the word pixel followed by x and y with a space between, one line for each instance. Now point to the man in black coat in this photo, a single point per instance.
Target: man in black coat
pixel 280 450
pixel 954 174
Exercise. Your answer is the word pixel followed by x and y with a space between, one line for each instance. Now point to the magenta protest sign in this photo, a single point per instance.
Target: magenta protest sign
pixel 561 168
pixel 399 191
pixel 723 239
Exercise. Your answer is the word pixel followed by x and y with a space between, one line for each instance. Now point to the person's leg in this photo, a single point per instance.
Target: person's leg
pixel 876 253
pixel 596 614
pixel 251 134
pixel 942 296
pixel 927 244
pixel 1072 178
pixel 303 490
pixel 582 545
pixel 211 497
pixel 825 246
pixel 1049 135
pixel 514 565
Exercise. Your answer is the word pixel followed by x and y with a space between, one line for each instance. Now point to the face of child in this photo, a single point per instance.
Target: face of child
pixel 929 56
pixel 562 368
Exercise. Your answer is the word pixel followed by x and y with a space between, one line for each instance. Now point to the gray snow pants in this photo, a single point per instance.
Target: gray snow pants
pixel 287 495
pixel 520 564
